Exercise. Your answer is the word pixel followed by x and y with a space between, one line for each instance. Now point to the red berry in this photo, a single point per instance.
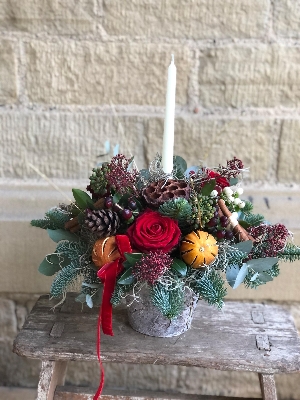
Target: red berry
pixel 109 202
pixel 126 213
pixel 212 222
pixel 229 235
pixel 220 234
pixel 132 204
pixel 223 221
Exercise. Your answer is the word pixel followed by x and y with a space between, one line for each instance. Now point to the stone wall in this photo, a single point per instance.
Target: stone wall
pixel 74 74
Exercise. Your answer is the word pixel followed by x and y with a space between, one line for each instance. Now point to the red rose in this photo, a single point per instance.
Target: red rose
pixel 220 180
pixel 152 231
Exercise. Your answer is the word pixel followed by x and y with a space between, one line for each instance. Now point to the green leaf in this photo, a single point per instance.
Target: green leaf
pixel 208 187
pixel 244 247
pixel 117 197
pixel 262 264
pixel 48 269
pixel 89 301
pixel 126 264
pixel 265 277
pixel 233 181
pixel 179 266
pixel 180 164
pixel 244 224
pixel 240 276
pixel 82 199
pixel 60 234
pixel 127 278
pixel 231 274
pixel 80 298
pixel 132 258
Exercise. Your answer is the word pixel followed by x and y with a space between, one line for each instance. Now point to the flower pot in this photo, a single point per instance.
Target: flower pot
pixel 146 318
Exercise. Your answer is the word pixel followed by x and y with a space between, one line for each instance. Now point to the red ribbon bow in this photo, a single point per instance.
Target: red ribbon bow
pixel 108 275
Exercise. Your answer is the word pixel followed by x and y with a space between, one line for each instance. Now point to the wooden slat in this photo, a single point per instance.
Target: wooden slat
pixel 268 387
pixel 225 340
pixel 83 393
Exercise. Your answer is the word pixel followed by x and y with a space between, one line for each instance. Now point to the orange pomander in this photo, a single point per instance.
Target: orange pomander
pixel 198 249
pixel 104 251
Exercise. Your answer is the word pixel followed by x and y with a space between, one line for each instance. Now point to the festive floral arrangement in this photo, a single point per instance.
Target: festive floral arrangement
pixel 189 229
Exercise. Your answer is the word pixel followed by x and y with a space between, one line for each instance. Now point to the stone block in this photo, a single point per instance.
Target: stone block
pixel 92 73
pixel 65 145
pixel 216 141
pixel 286 18
pixel 36 16
pixel 8 321
pixel 8 72
pixel 253 76
pixel 289 149
pixel 200 19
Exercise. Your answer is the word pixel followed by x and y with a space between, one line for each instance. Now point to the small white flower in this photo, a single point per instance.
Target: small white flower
pixel 214 193
pixel 230 199
pixel 228 191
pixel 240 191
pixel 237 201
pixel 242 204
pixel 235 215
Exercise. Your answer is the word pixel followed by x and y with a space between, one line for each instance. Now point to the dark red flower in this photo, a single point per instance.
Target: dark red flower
pixel 152 266
pixel 220 180
pixel 152 232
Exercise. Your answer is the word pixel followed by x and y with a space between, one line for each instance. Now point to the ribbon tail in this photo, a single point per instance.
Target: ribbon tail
pixel 99 390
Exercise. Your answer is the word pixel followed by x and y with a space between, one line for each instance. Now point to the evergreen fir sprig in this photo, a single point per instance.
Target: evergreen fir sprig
pixel 291 253
pixel 55 218
pixel 254 279
pixel 170 301
pixel 211 288
pixel 178 209
pixel 65 278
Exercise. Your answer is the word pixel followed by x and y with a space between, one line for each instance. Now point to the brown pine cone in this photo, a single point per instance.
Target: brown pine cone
pixel 102 222
pixel 158 193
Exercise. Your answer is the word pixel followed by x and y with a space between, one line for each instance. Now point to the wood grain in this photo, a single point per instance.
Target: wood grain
pixel 223 340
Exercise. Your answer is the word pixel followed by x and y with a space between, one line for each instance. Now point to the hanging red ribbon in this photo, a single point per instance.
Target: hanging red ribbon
pixel 108 275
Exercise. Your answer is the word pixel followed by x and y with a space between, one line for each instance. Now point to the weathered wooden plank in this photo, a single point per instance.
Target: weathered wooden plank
pixel 83 393
pixel 219 340
pixel 268 388
pixel 57 329
pixel 52 374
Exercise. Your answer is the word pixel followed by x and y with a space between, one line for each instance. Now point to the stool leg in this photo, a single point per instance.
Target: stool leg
pixel 52 374
pixel 267 386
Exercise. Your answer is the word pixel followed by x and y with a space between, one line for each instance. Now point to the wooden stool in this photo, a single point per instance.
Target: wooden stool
pixel 242 337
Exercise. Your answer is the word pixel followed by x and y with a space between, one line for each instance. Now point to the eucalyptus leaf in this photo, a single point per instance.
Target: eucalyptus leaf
pixel 180 164
pixel 265 277
pixel 107 146
pixel 262 264
pixel 80 298
pixel 60 234
pixel 127 278
pixel 116 149
pixel 208 187
pixel 82 199
pixel 89 301
pixel 126 264
pixel 47 268
pixel 144 173
pixel 233 181
pixel 194 168
pixel 241 276
pixel 231 274
pixel 179 266
pixel 244 247
pixel 132 258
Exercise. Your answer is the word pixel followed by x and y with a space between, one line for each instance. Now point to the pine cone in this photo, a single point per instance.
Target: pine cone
pixel 158 193
pixel 102 222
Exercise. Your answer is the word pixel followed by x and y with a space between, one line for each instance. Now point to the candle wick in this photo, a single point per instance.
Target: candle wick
pixel 172 60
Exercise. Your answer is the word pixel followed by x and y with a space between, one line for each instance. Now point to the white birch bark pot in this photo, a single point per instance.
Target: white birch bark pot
pixel 146 318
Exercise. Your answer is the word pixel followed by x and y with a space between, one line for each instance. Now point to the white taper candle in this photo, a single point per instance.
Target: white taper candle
pixel 168 140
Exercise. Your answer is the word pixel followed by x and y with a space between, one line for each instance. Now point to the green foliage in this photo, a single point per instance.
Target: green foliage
pixel 72 250
pixel 230 255
pixel 248 207
pixel 64 279
pixel 119 292
pixel 208 187
pixel 170 301
pixel 255 279
pixel 98 179
pixel 211 288
pixel 178 209
pixel 82 199
pixel 180 166
pixel 55 218
pixel 252 219
pixel 291 253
